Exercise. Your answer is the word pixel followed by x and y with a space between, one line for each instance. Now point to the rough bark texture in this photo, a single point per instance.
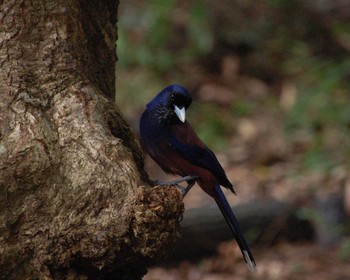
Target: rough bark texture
pixel 72 204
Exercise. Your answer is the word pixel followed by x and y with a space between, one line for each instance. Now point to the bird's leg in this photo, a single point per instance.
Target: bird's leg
pixel 174 182
pixel 184 190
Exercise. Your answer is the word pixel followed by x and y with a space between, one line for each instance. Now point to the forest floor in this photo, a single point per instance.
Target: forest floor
pixel 281 259
pixel 261 160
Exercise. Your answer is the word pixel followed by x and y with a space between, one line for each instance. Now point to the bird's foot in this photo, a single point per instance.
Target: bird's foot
pixel 187 179
pixel 184 190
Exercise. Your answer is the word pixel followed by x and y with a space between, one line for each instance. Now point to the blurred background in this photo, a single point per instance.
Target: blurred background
pixel 270 81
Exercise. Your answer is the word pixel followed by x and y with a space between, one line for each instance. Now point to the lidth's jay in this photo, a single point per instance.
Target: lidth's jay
pixel 173 144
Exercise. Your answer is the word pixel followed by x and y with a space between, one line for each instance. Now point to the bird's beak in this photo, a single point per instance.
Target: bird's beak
pixel 180 113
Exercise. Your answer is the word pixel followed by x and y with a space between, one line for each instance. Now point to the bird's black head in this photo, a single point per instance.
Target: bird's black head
pixel 170 104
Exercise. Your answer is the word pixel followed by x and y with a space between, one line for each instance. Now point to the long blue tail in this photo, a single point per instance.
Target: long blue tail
pixel 236 229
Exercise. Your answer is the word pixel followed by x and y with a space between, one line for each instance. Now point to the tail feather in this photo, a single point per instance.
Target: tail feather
pixel 235 227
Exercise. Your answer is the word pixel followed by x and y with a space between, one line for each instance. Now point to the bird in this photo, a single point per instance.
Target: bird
pixel 173 144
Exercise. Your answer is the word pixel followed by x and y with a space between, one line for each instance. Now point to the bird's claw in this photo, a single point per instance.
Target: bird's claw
pixel 184 190
pixel 188 179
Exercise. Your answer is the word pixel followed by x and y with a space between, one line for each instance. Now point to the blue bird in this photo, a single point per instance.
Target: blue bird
pixel 173 144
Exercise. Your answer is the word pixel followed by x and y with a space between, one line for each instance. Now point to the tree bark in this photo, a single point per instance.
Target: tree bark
pixel 72 198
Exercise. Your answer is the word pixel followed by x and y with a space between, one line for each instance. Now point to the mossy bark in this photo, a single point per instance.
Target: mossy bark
pixel 73 198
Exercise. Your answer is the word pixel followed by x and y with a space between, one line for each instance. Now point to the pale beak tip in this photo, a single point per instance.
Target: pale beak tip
pixel 181 113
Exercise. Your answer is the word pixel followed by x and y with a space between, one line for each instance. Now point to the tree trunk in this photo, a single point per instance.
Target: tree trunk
pixel 72 200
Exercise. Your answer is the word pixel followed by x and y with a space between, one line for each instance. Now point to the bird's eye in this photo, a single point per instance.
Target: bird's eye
pixel 172 97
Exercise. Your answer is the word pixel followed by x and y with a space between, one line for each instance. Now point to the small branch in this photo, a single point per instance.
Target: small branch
pixel 205 228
